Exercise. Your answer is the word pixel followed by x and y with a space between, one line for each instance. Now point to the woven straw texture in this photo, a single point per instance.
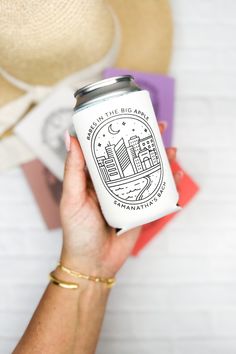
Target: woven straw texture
pixel 42 42
pixel 146 34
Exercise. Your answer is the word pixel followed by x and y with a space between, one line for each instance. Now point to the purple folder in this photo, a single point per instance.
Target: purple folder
pixel 161 89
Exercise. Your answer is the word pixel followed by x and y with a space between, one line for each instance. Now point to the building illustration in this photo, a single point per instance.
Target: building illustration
pixel 122 161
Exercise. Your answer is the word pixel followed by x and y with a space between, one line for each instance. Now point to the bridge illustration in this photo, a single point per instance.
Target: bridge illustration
pixel 135 176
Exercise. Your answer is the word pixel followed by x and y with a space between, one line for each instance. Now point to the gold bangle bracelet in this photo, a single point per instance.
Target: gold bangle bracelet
pixel 110 282
pixel 62 283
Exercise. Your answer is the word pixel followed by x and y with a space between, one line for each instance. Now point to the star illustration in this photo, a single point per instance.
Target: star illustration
pixel 145 130
pixel 104 135
pixel 123 123
pixel 99 144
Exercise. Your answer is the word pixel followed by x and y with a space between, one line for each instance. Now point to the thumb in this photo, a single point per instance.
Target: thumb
pixel 128 239
pixel 74 183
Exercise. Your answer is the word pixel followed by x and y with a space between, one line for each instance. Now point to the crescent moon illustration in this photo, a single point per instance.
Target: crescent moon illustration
pixel 111 131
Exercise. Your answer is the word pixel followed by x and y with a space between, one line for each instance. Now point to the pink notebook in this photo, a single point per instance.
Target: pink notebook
pixel 46 189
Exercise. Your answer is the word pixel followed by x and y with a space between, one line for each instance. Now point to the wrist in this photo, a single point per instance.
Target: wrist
pixel 84 264
pixel 86 287
pixel 85 273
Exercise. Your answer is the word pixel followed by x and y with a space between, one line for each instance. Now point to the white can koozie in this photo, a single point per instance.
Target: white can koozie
pixel 117 129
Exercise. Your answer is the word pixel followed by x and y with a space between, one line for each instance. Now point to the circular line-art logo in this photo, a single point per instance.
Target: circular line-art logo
pixel 127 158
pixel 53 128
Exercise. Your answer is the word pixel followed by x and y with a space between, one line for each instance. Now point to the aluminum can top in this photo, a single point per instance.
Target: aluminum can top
pixel 104 89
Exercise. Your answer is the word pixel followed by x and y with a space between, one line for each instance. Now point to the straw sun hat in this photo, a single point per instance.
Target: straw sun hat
pixel 43 43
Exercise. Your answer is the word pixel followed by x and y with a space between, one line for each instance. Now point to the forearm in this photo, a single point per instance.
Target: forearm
pixel 92 304
pixel 66 321
pixel 53 326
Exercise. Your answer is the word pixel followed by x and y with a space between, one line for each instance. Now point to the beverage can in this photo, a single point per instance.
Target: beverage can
pixel 118 132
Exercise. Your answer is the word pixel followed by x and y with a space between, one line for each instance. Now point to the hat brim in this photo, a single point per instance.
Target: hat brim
pixel 146 40
pixel 147 33
pixel 8 92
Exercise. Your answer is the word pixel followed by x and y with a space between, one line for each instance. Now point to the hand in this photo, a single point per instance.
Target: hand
pixel 90 245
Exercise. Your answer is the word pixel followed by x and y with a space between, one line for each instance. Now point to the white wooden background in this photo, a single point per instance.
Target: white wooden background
pixel 179 295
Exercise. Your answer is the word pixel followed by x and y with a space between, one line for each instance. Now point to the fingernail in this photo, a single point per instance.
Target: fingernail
pixel 173 149
pixel 164 123
pixel 179 174
pixel 172 153
pixel 67 140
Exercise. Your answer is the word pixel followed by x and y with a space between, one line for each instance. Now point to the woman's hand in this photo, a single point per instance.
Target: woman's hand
pixel 90 245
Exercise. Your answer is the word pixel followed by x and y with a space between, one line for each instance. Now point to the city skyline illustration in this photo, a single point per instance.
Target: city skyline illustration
pixel 127 158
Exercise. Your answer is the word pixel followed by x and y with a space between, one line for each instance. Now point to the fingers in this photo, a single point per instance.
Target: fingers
pixel 90 187
pixel 178 177
pixel 171 153
pixel 74 184
pixel 127 241
pixel 162 126
pixel 88 179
